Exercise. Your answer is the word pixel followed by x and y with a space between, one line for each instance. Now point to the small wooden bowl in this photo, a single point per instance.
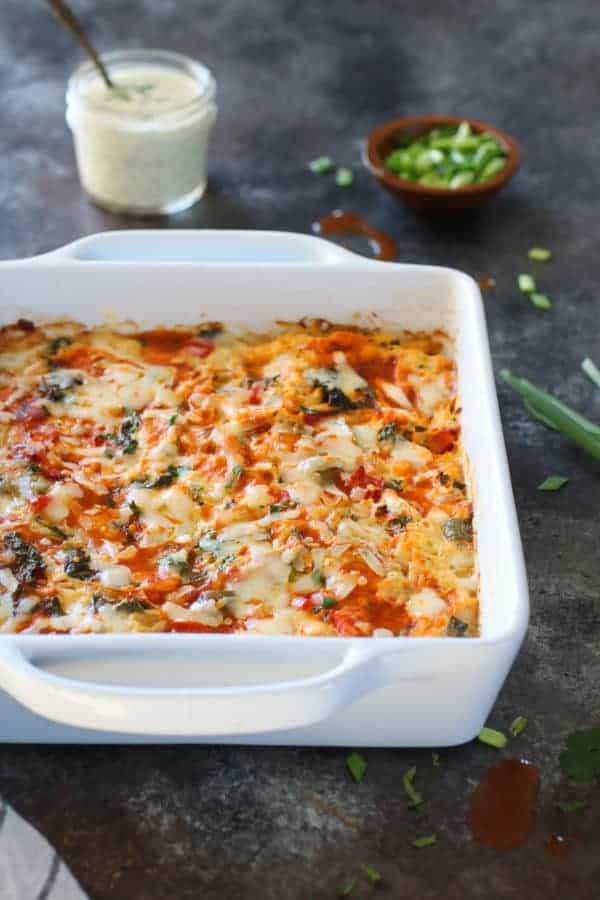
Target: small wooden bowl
pixel 435 201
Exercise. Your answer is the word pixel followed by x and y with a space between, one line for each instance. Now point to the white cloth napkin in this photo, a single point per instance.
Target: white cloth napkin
pixel 30 869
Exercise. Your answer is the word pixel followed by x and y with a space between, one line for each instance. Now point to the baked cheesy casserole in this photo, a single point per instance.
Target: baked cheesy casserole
pixel 308 481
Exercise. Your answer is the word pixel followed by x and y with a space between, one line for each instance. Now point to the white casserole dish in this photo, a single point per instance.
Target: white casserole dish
pixel 272 690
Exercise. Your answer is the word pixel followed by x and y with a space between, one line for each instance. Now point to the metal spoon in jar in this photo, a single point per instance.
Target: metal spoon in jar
pixel 67 17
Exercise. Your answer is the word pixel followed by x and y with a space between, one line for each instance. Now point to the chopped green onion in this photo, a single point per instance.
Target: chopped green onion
pixel 573 425
pixel 526 283
pixel 591 370
pixel 452 158
pixel 553 483
pixel 317 576
pixel 357 766
pixel 328 602
pixel 569 806
pixel 428 840
pixel 415 799
pixel 539 254
pixel 234 477
pixel 540 301
pixel 517 726
pixel 344 177
pixel 461 179
pixel 492 169
pixel 538 415
pixel 492 738
pixel 345 889
pixel 321 165
pixel 370 873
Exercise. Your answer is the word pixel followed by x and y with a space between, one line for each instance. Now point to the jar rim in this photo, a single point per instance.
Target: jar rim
pixel 115 59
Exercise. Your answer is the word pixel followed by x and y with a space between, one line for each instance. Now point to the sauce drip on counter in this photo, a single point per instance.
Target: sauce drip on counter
pixel 338 222
pixel 502 811
pixel 557 845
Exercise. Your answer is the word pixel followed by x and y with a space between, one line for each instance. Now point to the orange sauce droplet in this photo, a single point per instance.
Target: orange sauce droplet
pixel 558 845
pixel 502 811
pixel 338 222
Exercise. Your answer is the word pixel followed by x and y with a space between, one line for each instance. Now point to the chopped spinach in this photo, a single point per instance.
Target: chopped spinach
pixel 57 343
pixel 225 562
pixel 399 523
pixel 53 529
pixel 181 566
pixel 333 396
pixel 210 543
pixel 164 480
pixel 78 565
pixel 57 387
pixel 28 560
pixel 458 530
pixel 50 606
pixel 388 432
pixel 129 427
pixel 131 606
pixel 394 483
pixel 456 627
pixel 210 329
pixel 282 506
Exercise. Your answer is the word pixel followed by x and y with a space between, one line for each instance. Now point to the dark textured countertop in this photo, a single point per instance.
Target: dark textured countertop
pixel 297 80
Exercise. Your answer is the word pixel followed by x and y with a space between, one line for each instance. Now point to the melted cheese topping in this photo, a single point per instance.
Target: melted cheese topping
pixel 309 481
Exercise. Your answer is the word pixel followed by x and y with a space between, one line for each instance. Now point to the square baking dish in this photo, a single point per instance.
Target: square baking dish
pixel 242 688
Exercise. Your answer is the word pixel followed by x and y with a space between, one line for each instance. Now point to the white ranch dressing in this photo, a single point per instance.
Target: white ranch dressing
pixel 141 147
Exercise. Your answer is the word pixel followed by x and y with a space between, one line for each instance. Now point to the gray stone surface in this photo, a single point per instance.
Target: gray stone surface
pixel 296 80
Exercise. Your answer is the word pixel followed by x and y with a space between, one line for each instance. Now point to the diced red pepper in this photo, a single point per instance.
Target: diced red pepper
pixel 40 503
pixel 256 393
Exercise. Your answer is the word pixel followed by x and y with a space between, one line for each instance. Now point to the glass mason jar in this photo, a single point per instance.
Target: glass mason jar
pixel 141 146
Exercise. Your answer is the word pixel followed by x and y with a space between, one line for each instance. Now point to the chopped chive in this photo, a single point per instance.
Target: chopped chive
pixel 517 726
pixel 553 483
pixel 415 799
pixel 173 418
pixel 565 419
pixel 428 840
pixel 492 738
pixel 370 873
pixel 328 602
pixel 591 370
pixel 569 806
pixel 344 177
pixel 540 301
pixel 539 254
pixel 345 889
pixel 357 766
pixel 321 165
pixel 526 283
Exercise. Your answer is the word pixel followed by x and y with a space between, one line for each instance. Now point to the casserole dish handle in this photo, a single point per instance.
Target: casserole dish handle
pixel 220 711
pixel 201 246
